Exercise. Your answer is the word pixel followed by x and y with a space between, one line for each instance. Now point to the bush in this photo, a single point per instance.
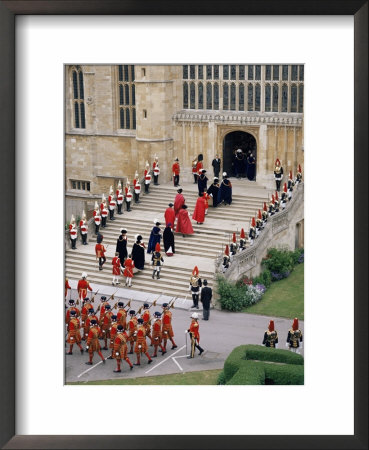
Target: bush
pixel 235 297
pixel 265 278
pixel 221 378
pixel 279 261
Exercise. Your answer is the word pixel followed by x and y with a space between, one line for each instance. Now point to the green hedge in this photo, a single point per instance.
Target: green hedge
pixel 253 364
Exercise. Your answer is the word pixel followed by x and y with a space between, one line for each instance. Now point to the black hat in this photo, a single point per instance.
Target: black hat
pixel 157 223
pixel 86 299
pixel 157 314
pixel 71 301
pixel 203 171
pixel 132 312
pixel 139 238
pixel 99 238
pixel 170 204
pixel 179 190
pixel 113 317
pixel 140 320
pixel 123 231
pixel 200 157
pixel 102 298
pixel 165 305
pixel 146 305
pixel 73 313
pixel 205 282
pixel 91 310
pixel 184 206
pixel 93 322
pixel 107 307
pixel 120 327
pixel 121 304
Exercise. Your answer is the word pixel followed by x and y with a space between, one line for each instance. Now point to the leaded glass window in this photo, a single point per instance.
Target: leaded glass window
pixel 250 72
pixel 284 98
pixel 275 97
pixel 226 72
pixel 216 72
pixel 268 72
pixel 128 119
pixel 233 97
pixel 241 72
pixel 132 73
pixel 185 95
pixel 200 72
pixel 285 72
pixel 78 97
pixel 258 72
pixel 301 98
pixel 192 72
pixel 294 73
pixel 126 94
pixel 185 72
pixel 192 96
pixel 120 73
pixel 225 96
pixel 294 98
pixel 76 115
pixel 134 118
pixel 200 96
pixel 122 118
pixel 233 72
pixel 216 96
pixel 241 97
pixel 133 95
pixel 250 97
pixel 127 97
pixel 209 71
pixel 126 73
pixel 257 97
pixel 267 98
pixel 121 101
pixel 209 99
pixel 275 72
pixel 301 77
pixel 75 85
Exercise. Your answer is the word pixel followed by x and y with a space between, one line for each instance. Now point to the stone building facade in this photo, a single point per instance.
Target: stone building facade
pixel 120 116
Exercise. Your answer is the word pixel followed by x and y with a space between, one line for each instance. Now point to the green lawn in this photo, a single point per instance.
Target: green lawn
pixel 284 298
pixel 196 378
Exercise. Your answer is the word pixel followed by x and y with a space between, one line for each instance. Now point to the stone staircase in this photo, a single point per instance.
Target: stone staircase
pixel 199 249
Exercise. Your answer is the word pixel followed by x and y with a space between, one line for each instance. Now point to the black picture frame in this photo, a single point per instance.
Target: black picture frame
pixel 8 11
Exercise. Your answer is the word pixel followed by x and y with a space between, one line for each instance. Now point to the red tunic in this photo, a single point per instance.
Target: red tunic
pixel 194 329
pixel 67 315
pixel 84 311
pixel 206 197
pixel 100 250
pixel 97 217
pixel 167 330
pixel 66 287
pixel 129 265
pixel 178 202
pixel 184 225
pixel 122 317
pixel 116 265
pixel 199 213
pixel 141 344
pixel 82 287
pixel 199 167
pixel 113 333
pixel 170 217
pixel 74 335
pixel 93 339
pixel 175 169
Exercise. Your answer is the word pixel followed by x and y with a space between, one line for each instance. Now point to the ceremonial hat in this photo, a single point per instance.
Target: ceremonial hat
pixel 120 304
pixel 200 157
pixel 290 175
pixel 84 275
pixel 128 182
pixel 146 305
pixel 239 150
pixel 71 302
pixel 114 317
pixel 120 328
pixel 195 315
pixel 72 313
pixel 242 234
pixel 299 169
pixel 273 199
pixel 156 222
pixel 277 162
pixel 157 247
pixel 203 171
pixel 169 224
pixel 295 325
pixel 93 322
pixel 119 185
pixel 147 163
pixel 170 205
pixel 83 215
pixel 234 240
pixel 157 314
pixel 226 250
pixel 179 190
pixel 72 219
pixel 165 305
pixel 276 195
pixel 91 310
pixel 107 307
pixel 123 231
pixel 224 174
pixel 111 190
pixel 195 271
pixel 99 238
pixel 176 159
pixel 285 188
pixel 259 214
pixel 271 325
pixel 103 198
pixel 184 206
pixel 102 298
pixel 132 312
pixel 265 207
pixel 216 179
pixel 136 174
pixel 96 205
pixel 86 299
pixel 140 320
pixel 253 222
pixel 138 237
pixel 205 282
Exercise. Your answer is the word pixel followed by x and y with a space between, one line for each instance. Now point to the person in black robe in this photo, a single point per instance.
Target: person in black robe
pixel 121 247
pixel 213 191
pixel 239 164
pixel 216 165
pixel 168 238
pixel 225 190
pixel 202 182
pixel 251 168
pixel 155 237
pixel 138 253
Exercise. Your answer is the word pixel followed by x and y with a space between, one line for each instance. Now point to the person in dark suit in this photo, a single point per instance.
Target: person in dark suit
pixel 216 166
pixel 206 295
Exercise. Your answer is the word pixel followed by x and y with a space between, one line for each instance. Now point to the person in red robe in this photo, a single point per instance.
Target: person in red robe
pixel 128 271
pixel 170 215
pixel 184 225
pixel 199 213
pixel 178 202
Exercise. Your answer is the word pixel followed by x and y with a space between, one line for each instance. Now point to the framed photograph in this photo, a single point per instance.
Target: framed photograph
pixel 35 403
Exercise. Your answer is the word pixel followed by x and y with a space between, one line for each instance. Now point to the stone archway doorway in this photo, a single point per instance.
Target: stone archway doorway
pixel 239 140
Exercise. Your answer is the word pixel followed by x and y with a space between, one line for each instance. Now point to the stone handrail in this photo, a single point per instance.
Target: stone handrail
pixel 249 259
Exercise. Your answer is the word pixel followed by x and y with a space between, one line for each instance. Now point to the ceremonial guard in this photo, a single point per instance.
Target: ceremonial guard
pixel 122 315
pixel 103 211
pixel 132 329
pixel 251 165
pixel 105 325
pixel 206 296
pixel 252 232
pixel 93 344
pixel 128 270
pixel 199 165
pixel 206 198
pixel 184 225
pixel 73 232
pixel 147 177
pixel 168 239
pixel 100 251
pixel 195 287
pixel 194 335
pixel 86 306
pixel 239 164
pixel 128 195
pixel 242 245
pixel 294 337
pixel 141 344
pixel 82 286
pixel 213 191
pixel 276 202
pixel 112 203
pixel 102 307
pixel 226 259
pixel 120 348
pixel 194 170
pixel 74 336
pixel 121 247
pixel 91 316
pixel 167 330
pixel 72 307
pixel 265 213
pixel 113 333
pixel 67 286
pixel 155 237
pixel 290 185
pixel 97 218
pixel 83 228
pixel 278 174
pixel 225 190
pixel 116 269
pixel 138 253
pixel 137 187
pixel 298 176
pixel 202 182
pixel 156 171
pixel 271 206
pixel 146 316
pixel 259 223
pixel 284 197
pixel 179 201
pixel 119 195
pixel 270 336
pixel 157 261
pixel 156 334
pixel 233 246
pixel 199 212
pixel 216 165
pixel 170 215
pixel 176 171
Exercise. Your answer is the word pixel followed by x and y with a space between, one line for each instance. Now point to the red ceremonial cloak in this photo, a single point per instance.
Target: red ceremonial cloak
pixel 199 213
pixel 170 217
pixel 184 225
pixel 178 202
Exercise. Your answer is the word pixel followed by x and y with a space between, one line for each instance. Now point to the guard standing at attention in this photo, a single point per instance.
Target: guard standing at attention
pixel 157 262
pixel 294 337
pixel 156 170
pixel 176 171
pixel 195 285
pixel 119 195
pixel 83 228
pixel 270 336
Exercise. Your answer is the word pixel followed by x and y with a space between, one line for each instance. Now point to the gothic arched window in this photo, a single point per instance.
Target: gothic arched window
pixel 192 96
pixel 78 97
pixel 241 97
pixel 127 97
pixel 225 96
pixel 267 98
pixel 185 95
pixel 257 97
pixel 250 97
pixel 233 97
pixel 200 96
pixel 275 97
pixel 294 98
pixel 301 98
pixel 216 96
pixel 209 100
pixel 284 98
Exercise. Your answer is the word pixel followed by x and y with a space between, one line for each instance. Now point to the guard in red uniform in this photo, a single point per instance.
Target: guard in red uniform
pixel 170 216
pixel 113 333
pixel 167 330
pixel 83 228
pixel 132 329
pixel 67 286
pixel 71 308
pixel 141 344
pixel 100 251
pixel 156 170
pixel 128 195
pixel 73 232
pixel 116 269
pixel 194 170
pixel 176 171
pixel 74 336
pixel 86 306
pixel 119 196
pixel 242 245
pixel 122 315
pixel 120 348
pixel 233 246
pixel 97 218
pixel 93 344
pixel 91 316
pixel 265 213
pixel 128 271
pixel 195 335
pixel 103 211
pixel 105 325
pixel 199 166
pixel 137 187
pixel 156 334
pixel 147 177
pixel 112 203
pixel 146 316
pixel 102 307
pixel 82 287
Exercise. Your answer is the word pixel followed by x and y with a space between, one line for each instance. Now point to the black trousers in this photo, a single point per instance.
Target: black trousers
pixel 137 197
pixel 128 206
pixel 278 184
pixel 102 260
pixel 176 180
pixel 216 173
pixel 97 228
pixel 205 313
pixel 156 179
pixel 73 241
pixel 195 177
pixel 111 213
pixel 84 238
pixel 195 299
pixel 103 221
pixel 147 188
pixel 119 208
